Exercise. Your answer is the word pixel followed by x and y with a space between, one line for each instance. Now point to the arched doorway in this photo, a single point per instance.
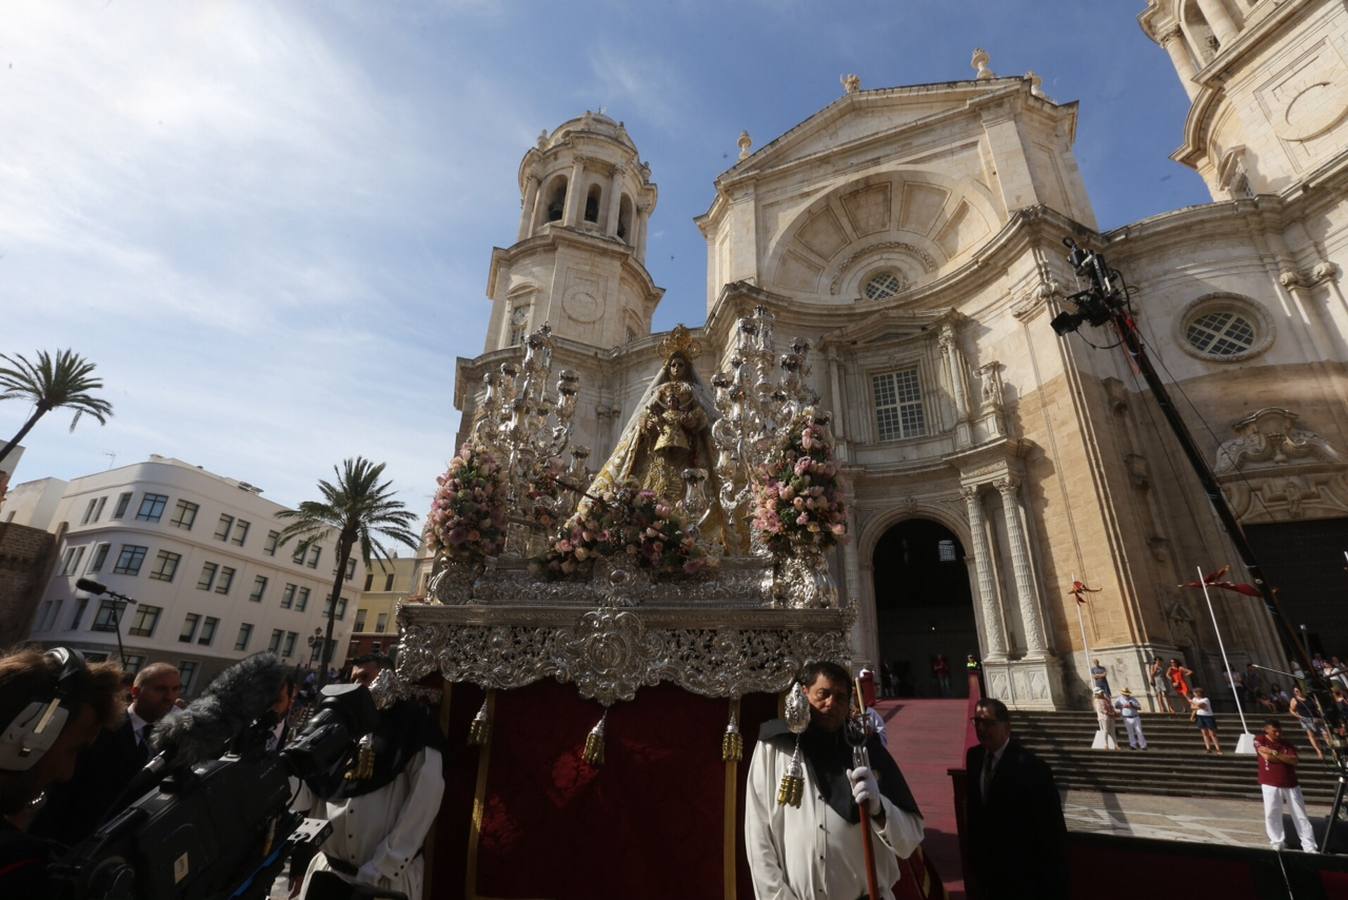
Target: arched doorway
pixel 923 606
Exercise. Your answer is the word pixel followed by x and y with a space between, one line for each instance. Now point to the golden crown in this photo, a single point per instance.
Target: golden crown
pixel 680 343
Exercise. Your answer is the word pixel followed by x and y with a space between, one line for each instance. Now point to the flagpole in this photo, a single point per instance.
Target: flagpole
pixel 1246 743
pixel 1101 739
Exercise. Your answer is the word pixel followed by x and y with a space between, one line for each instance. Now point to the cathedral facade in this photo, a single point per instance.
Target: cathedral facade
pixel 913 235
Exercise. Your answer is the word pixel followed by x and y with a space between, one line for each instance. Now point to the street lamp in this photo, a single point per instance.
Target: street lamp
pixel 315 641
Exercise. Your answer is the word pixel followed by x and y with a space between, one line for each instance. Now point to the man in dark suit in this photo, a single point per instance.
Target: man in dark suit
pixel 76 808
pixel 1017 839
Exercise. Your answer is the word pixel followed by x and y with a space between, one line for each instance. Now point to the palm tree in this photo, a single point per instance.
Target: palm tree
pixel 66 380
pixel 356 508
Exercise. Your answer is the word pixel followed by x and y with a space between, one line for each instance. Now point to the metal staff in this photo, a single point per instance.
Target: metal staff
pixel 858 731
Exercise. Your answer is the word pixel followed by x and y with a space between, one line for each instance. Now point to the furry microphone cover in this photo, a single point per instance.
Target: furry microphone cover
pixel 231 703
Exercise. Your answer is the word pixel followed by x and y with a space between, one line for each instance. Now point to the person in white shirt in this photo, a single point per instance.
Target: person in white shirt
pixel 1131 711
pixel 814 851
pixel 380 817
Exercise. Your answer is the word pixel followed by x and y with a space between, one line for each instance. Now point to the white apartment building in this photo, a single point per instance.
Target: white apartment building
pixel 198 553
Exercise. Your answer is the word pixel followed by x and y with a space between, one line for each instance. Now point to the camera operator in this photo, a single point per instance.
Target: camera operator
pixel 383 805
pixel 75 809
pixel 52 706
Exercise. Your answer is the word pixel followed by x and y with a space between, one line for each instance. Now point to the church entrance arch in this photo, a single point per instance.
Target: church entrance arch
pixel 924 607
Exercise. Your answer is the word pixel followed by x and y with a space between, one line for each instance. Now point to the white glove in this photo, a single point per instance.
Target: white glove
pixel 865 790
pixel 370 874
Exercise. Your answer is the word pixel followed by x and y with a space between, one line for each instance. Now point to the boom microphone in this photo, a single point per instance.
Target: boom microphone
pixel 93 587
pixel 233 701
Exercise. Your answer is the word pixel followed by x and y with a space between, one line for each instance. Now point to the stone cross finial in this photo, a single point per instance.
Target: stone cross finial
pixel 1036 83
pixel 851 83
pixel 745 142
pixel 980 64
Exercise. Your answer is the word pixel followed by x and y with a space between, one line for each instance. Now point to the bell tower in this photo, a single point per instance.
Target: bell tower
pixel 578 262
pixel 1268 81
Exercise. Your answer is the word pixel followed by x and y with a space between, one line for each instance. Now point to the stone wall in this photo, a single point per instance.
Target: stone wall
pixel 26 555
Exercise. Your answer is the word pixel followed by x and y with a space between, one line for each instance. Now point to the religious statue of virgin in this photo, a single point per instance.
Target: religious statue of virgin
pixel 668 434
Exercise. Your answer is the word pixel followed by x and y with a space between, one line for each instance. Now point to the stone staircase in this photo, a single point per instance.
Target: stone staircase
pixel 1173 764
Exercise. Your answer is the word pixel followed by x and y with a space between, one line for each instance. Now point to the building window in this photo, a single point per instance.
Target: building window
pixel 945 551
pixel 302 599
pixel 40 620
pixel 245 635
pixel 131 663
pixel 259 588
pixel 882 286
pixel 388 582
pixel 277 635
pixel 151 507
pixel 369 580
pixel 184 515
pixel 187 671
pixel 189 628
pixel 144 620
pixel 315 552
pixel 898 405
pixel 224 527
pixel 341 607
pixel 298 556
pixel 122 503
pixel 360 620
pixel 165 566
pixel 381 624
pixel 89 511
pixel 107 616
pixel 1222 333
pixel 289 648
pixel 288 596
pixel 207 578
pixel 100 556
pixel 81 604
pixel 241 532
pixel 269 548
pixel 70 563
pixel 376 646
pixel 129 560
pixel 350 568
pixel 208 626
pixel 226 580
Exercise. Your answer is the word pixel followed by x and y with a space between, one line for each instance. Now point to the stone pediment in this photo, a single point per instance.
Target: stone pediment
pixel 891 326
pixel 856 118
pixel 1275 471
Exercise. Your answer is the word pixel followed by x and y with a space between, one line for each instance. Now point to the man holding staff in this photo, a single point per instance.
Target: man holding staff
pixel 815 851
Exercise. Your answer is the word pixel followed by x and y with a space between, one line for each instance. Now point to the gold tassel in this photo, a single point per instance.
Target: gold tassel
pixel 480 730
pixel 732 742
pixel 594 743
pixel 363 767
pixel 792 789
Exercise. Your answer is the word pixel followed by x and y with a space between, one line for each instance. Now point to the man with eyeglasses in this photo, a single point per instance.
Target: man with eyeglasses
pixel 1013 815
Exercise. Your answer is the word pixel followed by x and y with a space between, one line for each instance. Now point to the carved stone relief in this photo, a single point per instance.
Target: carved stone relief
pixel 1274 471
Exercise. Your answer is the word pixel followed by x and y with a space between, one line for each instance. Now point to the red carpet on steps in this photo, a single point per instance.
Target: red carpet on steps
pixel 926 737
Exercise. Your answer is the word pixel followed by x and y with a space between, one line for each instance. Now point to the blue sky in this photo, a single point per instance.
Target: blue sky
pixel 270 224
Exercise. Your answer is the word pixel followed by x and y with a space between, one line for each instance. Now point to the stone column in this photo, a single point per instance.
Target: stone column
pixel 575 194
pixel 1219 20
pixel 640 225
pixel 530 207
pixel 1180 56
pixel 1026 594
pixel 987 592
pixel 615 194
pixel 955 361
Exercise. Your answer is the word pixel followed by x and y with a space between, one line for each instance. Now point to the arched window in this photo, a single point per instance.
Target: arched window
pixel 624 218
pixel 592 204
pixel 556 201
